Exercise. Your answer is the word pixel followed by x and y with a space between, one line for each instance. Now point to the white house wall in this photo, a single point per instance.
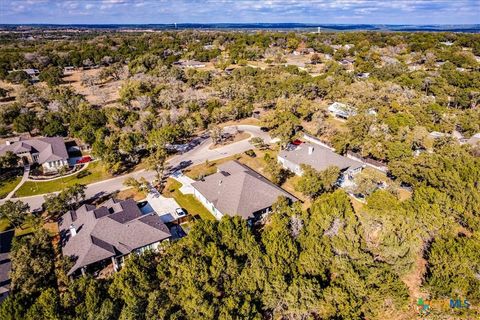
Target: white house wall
pixel 287 164
pixel 207 204
pixel 53 166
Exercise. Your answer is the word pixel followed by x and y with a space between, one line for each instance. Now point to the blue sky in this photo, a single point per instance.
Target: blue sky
pixel 216 11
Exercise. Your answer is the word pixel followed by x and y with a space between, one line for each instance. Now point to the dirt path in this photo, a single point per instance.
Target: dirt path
pixel 414 279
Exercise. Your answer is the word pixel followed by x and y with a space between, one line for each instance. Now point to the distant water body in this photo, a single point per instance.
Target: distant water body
pixel 472 28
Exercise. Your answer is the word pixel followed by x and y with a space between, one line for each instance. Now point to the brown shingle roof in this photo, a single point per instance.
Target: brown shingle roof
pixel 238 190
pixel 113 229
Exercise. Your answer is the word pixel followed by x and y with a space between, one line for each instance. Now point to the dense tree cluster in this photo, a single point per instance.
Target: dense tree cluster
pixel 332 260
pixel 296 268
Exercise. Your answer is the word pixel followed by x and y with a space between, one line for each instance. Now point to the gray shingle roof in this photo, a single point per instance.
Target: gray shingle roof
pixel 6 238
pixel 114 229
pixel 320 159
pixel 48 148
pixel 238 190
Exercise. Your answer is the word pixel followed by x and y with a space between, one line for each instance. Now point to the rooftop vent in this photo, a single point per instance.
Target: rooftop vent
pixel 73 230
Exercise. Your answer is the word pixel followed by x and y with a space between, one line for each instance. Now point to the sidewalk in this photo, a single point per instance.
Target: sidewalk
pixel 26 173
pixel 186 183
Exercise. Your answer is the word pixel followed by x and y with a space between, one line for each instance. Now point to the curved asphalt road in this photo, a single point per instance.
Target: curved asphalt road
pixel 197 155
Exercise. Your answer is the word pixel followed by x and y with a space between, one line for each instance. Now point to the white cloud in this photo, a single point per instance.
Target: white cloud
pixel 168 11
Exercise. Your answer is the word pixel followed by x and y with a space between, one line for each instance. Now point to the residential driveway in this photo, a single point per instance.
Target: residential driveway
pixel 195 156
pixel 186 183
pixel 164 207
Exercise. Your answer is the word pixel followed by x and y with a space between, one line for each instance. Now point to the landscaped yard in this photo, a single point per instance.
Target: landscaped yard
pixel 93 173
pixel 204 169
pixel 186 201
pixel 7 185
pixel 258 164
pixel 289 185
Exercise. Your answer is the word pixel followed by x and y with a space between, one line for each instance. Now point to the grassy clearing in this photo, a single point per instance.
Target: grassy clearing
pixel 238 137
pixel 186 201
pixel 131 193
pixel 4 224
pixel 338 124
pixel 246 121
pixel 93 173
pixel 204 169
pixel 7 185
pixel 289 185
pixel 404 194
pixel 51 227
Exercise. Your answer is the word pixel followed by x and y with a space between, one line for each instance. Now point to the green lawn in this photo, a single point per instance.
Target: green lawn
pixel 8 185
pixel 4 224
pixel 203 169
pixel 27 228
pixel 95 172
pixel 186 201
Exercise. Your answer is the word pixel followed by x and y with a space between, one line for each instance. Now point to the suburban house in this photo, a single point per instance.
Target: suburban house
pixel 95 237
pixel 319 158
pixel 474 140
pixel 341 110
pixel 438 135
pixel 235 189
pixel 50 152
pixel 32 73
pixel 363 75
pixel 189 64
pixel 348 62
pixel 303 51
pixel 6 238
pixel 447 43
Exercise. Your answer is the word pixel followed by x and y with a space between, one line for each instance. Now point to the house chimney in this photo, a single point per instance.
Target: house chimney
pixel 73 230
pixel 310 150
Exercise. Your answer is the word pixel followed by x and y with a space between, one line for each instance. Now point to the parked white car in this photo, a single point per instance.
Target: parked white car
pixel 180 212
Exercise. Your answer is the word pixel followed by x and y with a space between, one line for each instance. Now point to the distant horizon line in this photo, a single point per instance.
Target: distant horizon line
pixel 243 23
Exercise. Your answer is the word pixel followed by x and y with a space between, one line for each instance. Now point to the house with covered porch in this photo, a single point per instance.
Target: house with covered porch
pixel 95 238
pixel 237 190
pixel 319 157
pixel 49 152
